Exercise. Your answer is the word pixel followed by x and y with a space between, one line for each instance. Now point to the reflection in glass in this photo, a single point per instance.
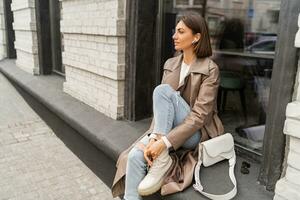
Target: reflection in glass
pixel 243 35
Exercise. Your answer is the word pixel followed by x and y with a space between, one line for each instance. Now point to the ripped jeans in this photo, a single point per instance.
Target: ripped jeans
pixel 169 110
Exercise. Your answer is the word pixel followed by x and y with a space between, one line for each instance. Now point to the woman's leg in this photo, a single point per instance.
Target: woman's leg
pixel 136 171
pixel 169 110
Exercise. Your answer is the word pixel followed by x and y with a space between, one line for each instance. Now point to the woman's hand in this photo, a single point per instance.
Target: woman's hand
pixel 148 159
pixel 152 151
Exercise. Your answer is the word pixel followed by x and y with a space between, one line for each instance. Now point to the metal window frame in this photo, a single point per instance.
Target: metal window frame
pixel 139 58
pixel 42 13
pixel 49 36
pixel 10 33
pixel 191 5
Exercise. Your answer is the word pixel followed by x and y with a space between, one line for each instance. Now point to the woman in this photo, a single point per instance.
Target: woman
pixel 184 109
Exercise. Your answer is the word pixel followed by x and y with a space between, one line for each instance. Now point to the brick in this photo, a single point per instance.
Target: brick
pixel 285 190
pixel 294 144
pixel 293 160
pixel 293 176
pixel 2 33
pixel 27 61
pixel 293 110
pixel 297 38
pixel 292 127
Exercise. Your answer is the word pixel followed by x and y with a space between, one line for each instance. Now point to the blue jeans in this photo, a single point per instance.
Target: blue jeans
pixel 169 110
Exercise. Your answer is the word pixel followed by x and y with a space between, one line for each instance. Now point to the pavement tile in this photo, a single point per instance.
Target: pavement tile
pixel 34 162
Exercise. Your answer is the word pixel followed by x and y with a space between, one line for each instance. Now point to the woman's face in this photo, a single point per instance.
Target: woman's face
pixel 183 37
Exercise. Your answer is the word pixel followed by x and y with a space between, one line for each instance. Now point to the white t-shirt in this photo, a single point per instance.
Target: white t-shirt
pixel 183 71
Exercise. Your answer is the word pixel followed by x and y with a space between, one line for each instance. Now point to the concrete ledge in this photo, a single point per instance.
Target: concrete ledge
pixel 112 136
pixel 108 135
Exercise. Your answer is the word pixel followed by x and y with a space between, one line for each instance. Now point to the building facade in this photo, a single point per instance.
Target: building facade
pixel 2 32
pixel 26 43
pixel 111 53
pixel 94 53
pixel 288 186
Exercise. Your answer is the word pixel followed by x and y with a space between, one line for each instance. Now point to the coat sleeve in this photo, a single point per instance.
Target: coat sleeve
pixel 201 111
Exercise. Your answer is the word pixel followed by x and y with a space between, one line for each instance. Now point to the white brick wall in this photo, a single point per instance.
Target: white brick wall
pixel 26 36
pixel 103 17
pixel 104 94
pixel 2 33
pixel 288 187
pixel 26 41
pixel 94 53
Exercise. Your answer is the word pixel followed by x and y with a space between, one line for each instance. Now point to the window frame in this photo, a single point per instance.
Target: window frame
pixel 190 5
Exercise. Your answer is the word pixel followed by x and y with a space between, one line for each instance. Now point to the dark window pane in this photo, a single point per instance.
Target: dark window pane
pixel 198 2
pixel 182 2
pixel 243 36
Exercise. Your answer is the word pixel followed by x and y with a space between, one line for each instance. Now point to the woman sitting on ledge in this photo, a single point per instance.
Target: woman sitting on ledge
pixel 185 113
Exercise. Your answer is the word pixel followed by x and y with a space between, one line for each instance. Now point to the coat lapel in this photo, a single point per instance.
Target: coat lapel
pixel 174 67
pixel 200 65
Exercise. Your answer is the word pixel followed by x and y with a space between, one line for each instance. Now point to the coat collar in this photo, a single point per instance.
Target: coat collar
pixel 200 65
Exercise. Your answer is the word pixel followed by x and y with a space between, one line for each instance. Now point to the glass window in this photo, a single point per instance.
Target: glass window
pixel 243 36
pixel 198 2
pixel 56 37
pixel 182 2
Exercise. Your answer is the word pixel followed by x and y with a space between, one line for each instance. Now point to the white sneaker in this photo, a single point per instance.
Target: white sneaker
pixel 152 182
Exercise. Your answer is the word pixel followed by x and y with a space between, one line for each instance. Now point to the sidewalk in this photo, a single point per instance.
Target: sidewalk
pixel 110 137
pixel 34 162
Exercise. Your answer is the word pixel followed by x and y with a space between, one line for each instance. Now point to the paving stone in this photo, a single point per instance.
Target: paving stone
pixel 34 162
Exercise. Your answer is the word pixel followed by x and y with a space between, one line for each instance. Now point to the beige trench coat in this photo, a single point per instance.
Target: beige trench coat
pixel 199 89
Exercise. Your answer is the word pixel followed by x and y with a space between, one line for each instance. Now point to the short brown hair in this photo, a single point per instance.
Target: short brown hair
pixel 197 24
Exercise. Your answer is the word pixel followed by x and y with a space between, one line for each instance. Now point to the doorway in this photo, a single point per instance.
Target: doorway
pixel 49 36
pixel 10 33
pixel 56 47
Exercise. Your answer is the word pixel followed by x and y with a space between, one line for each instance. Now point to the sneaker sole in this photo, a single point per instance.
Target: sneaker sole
pixel 152 190
pixel 155 188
